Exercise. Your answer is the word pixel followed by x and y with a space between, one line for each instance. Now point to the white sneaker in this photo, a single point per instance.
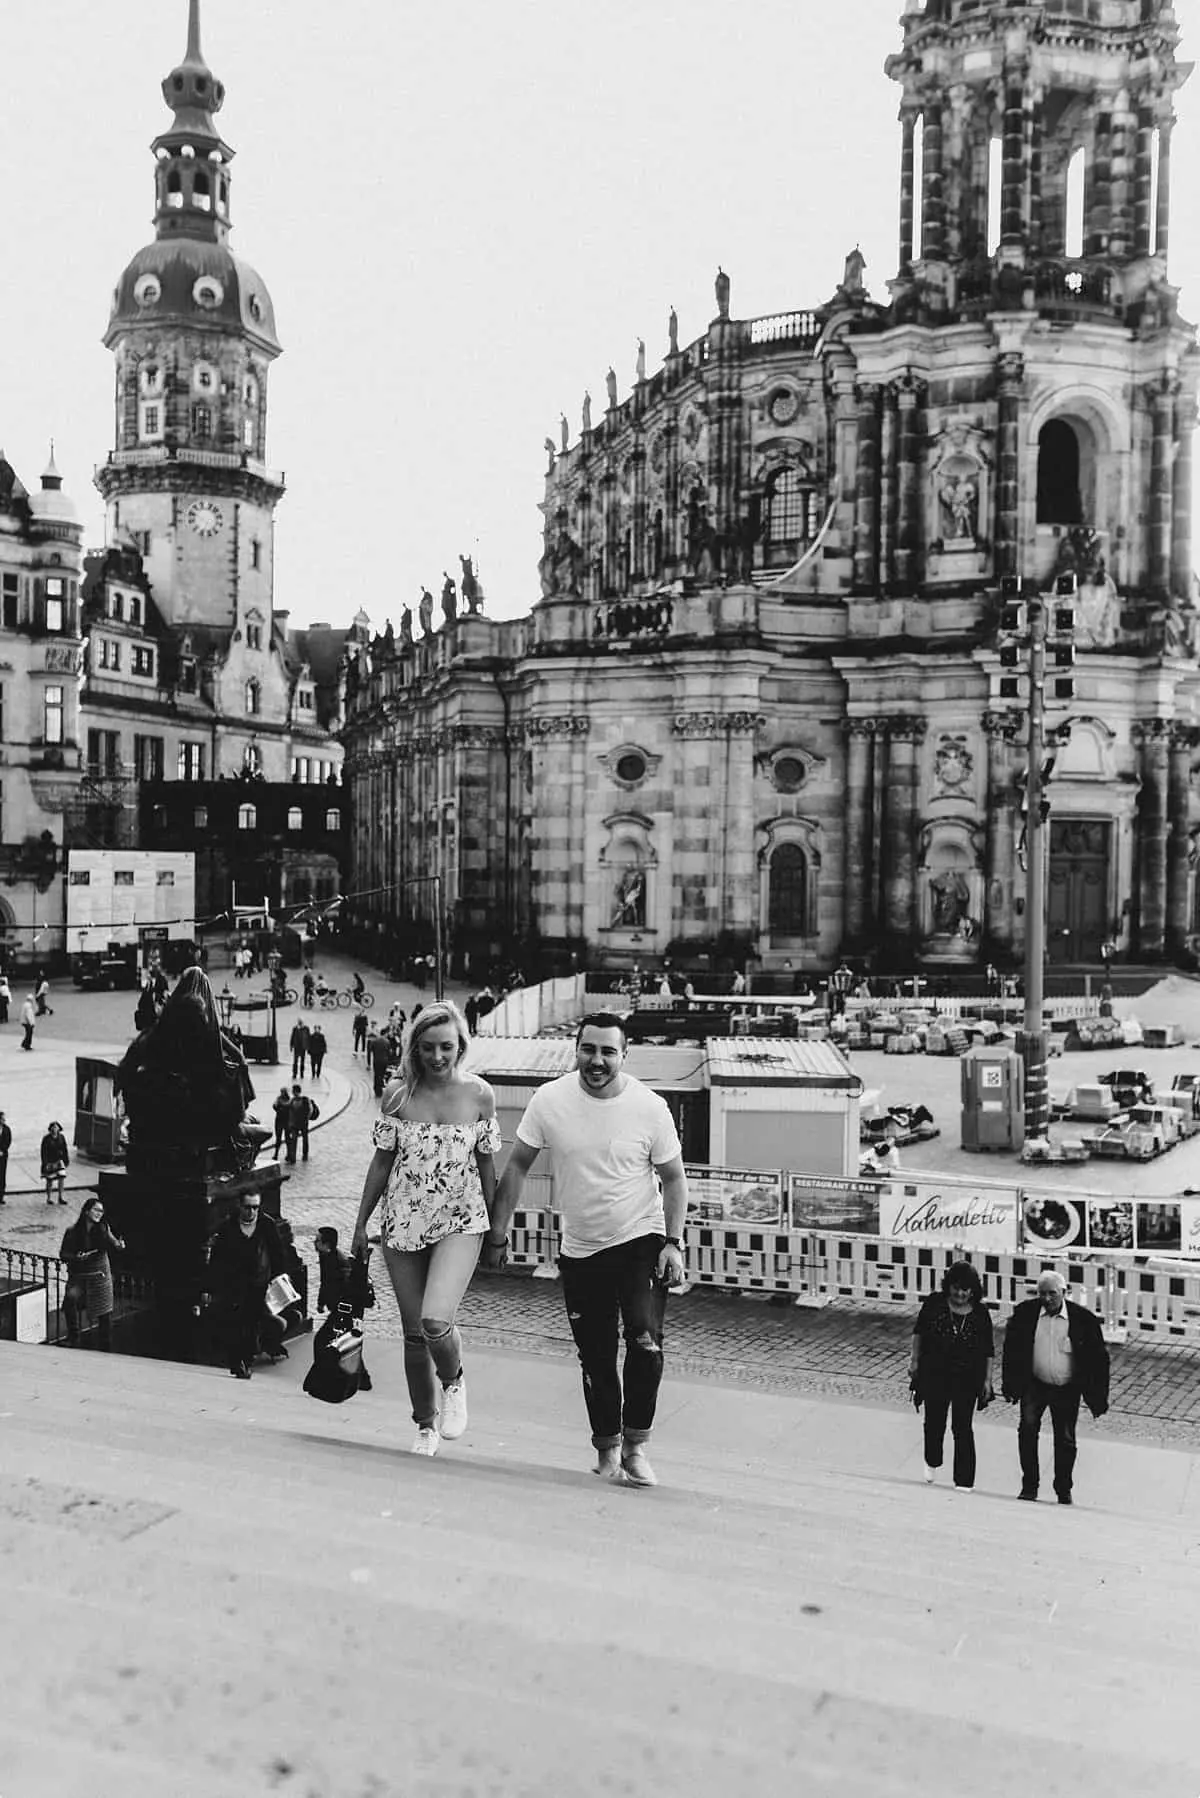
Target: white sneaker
pixel 929 1473
pixel 454 1408
pixel 959 1488
pixel 426 1442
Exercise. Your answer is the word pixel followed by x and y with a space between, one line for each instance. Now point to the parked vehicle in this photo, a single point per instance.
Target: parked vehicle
pixel 1130 1086
pixel 1092 1102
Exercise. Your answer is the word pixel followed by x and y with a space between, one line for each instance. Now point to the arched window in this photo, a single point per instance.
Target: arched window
pixel 788 507
pixel 333 820
pixel 253 699
pixel 201 195
pixel 247 817
pixel 787 892
pixel 1058 495
pixel 295 818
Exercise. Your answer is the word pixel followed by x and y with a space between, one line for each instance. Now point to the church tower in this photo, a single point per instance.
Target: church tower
pixel 192 331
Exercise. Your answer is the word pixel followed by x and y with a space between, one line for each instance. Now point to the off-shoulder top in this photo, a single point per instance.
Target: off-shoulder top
pixel 433 1189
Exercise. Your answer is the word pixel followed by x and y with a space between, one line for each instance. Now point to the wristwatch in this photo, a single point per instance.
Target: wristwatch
pixel 673 1242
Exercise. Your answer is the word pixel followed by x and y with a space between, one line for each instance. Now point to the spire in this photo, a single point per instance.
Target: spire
pixel 51 479
pixel 192 177
pixel 191 90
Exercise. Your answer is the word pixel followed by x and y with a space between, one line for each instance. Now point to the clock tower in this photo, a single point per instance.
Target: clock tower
pixel 192 331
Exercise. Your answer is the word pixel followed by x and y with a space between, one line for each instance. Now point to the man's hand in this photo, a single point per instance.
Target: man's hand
pixel 494 1254
pixel 670 1265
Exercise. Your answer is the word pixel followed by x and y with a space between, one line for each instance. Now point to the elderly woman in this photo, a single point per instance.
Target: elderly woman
pixel 950 1369
pixel 185 1082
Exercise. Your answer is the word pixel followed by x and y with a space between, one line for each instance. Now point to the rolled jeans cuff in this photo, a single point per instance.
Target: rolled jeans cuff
pixel 634 1438
pixel 606 1441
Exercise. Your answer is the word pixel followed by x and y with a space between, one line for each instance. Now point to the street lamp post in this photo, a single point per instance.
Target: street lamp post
pixel 226 1001
pixel 1033 1034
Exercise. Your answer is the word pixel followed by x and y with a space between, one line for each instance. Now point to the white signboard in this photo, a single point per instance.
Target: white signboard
pixel 927 1210
pixel 129 896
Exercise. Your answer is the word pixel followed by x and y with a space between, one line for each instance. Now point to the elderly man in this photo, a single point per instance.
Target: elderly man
pixel 1054 1356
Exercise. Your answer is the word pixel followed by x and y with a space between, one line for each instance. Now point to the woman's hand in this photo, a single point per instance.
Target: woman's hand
pixel 358 1242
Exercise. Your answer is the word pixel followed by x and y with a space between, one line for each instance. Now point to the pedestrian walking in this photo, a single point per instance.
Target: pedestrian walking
pixel 381 1053
pixel 280 1108
pixel 610 1140
pixel 85 1248
pixel 5 1146
pixel 434 1171
pixel 298 1043
pixel 950 1369
pixel 302 1111
pixel 310 986
pixel 247 1255
pixel 1054 1357
pixel 318 1048
pixel 359 1039
pixel 41 993
pixel 28 1020
pixel 56 1159
pixel 5 998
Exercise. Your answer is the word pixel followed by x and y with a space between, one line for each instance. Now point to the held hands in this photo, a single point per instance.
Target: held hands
pixel 986 1395
pixel 493 1255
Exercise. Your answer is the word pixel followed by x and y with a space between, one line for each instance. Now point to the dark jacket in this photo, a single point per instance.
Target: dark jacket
pixel 335 1280
pixel 938 1364
pixel 1087 1346
pixel 242 1267
pixel 54 1154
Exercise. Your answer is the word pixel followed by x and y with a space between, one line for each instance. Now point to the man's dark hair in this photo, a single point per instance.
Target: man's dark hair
pixel 601 1020
pixel 328 1234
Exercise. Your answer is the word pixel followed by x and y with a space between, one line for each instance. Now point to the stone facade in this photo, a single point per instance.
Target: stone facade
pixel 192 674
pixel 760 707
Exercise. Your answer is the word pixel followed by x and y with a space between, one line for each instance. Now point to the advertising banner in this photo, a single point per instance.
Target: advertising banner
pixel 820 1202
pixel 929 1210
pixel 734 1195
pixel 1054 1221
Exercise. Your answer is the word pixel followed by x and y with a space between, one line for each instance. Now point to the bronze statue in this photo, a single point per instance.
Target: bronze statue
pixel 449 598
pixel 472 592
pixel 425 612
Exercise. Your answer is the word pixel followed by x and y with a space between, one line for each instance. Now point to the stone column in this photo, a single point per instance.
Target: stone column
pixel 1098 214
pixel 888 483
pixel 933 203
pixel 1183 739
pixel 857 852
pixel 1162 412
pixel 908 125
pixel 904 552
pixel 1152 737
pixel 1181 498
pixel 866 490
pixel 1121 165
pixel 1001 729
pixel 1012 175
pixel 1162 214
pixel 1142 182
pixel 904 734
pixel 1034 101
pixel 693 876
pixel 739 902
pixel 1011 380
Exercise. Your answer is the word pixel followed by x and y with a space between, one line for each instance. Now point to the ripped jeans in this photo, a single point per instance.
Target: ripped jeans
pixel 617 1285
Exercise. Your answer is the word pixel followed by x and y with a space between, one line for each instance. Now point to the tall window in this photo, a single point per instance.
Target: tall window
pixel 11 591
pixel 255 553
pixel 148 758
pixel 253 699
pixel 1058 495
pixel 789 507
pixel 247 817
pixel 1076 180
pixel 333 820
pixel 787 898
pixel 295 818
pixel 254 636
pixel 191 761
pixel 54 604
pixel 103 754
pixel 201 421
pixel 52 715
pixel 141 659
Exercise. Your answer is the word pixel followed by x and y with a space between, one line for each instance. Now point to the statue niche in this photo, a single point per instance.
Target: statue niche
pixel 958 503
pixel 950 891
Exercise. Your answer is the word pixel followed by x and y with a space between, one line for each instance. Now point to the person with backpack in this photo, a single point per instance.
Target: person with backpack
pixel 302 1111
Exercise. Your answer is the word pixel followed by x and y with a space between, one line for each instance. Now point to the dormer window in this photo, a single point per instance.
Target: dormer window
pixel 187 674
pixel 254 636
pixel 135 609
pixel 151 378
pixel 304 699
pixel 116 603
pixel 253 699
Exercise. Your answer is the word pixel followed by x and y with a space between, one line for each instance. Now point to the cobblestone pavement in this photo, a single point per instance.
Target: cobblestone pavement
pixel 843 1350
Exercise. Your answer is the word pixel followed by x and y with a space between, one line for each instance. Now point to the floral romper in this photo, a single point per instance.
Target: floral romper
pixel 433 1189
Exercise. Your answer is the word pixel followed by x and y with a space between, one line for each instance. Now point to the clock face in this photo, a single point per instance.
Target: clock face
pixel 204 518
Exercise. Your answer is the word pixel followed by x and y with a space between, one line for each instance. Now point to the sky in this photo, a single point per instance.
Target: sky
pixel 464 214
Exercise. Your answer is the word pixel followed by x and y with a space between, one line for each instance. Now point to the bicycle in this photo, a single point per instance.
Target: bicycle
pixel 341 999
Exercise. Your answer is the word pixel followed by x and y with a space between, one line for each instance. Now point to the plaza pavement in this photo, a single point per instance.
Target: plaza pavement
pixel 221 1590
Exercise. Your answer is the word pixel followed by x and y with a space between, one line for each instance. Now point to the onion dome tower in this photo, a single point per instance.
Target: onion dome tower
pixel 192 331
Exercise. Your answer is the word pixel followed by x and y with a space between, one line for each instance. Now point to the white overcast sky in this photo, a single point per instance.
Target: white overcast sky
pixel 464 213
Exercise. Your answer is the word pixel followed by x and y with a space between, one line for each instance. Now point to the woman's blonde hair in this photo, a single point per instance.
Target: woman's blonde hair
pixel 441 1011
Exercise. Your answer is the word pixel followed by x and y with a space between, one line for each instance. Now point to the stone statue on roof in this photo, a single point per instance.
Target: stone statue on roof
pixel 425 612
pixel 449 598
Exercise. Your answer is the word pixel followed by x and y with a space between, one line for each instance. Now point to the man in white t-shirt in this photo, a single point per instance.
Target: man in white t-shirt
pixel 610 1140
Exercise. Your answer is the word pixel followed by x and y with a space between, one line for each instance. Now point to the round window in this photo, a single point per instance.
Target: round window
pixel 789 773
pixel 255 305
pixel 208 291
pixel 147 290
pixel 631 767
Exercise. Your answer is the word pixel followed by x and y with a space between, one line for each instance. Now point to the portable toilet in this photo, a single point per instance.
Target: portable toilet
pixel 993 1099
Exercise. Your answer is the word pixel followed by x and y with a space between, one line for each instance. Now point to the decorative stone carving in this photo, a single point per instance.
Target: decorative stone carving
pixel 717 724
pixel 953 764
pixel 564 726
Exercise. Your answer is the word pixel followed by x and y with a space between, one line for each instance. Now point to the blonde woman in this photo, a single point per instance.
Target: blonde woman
pixel 433 1168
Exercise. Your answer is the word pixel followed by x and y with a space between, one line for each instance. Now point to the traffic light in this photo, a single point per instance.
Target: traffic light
pixel 1062 643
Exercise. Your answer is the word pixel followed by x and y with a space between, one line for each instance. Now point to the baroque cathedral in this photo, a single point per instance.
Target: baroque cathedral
pixel 762 708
